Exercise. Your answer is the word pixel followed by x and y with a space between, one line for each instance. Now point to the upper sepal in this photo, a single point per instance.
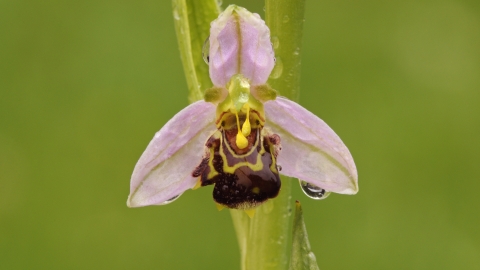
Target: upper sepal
pixel 165 168
pixel 240 44
pixel 311 151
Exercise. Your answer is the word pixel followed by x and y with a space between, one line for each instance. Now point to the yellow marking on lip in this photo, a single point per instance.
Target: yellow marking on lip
pixel 241 140
pixel 273 166
pixel 219 206
pixel 258 166
pixel 198 184
pixel 250 212
pixel 246 128
pixel 212 172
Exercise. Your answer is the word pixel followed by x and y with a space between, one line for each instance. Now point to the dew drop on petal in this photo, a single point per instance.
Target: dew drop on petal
pixel 171 200
pixel 275 42
pixel 314 192
pixel 206 51
pixel 277 69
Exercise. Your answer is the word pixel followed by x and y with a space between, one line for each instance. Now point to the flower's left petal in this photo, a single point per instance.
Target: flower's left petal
pixel 165 168
pixel 311 151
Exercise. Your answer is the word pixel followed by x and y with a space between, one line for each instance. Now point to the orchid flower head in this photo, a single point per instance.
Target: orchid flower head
pixel 242 136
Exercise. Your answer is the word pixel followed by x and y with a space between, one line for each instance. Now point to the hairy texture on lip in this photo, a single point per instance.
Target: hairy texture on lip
pixel 254 178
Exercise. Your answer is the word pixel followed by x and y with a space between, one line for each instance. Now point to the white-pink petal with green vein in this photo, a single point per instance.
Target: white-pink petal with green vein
pixel 165 168
pixel 311 150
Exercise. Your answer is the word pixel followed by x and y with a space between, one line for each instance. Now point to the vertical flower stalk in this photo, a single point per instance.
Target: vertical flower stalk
pixel 264 238
pixel 192 25
pixel 285 19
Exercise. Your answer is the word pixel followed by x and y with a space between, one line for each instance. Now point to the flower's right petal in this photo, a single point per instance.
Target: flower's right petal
pixel 165 168
pixel 311 151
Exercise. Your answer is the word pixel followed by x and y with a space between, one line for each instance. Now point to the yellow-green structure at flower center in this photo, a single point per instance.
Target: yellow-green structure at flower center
pixel 240 102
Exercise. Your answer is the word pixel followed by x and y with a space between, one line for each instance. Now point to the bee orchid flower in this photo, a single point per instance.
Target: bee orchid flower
pixel 242 135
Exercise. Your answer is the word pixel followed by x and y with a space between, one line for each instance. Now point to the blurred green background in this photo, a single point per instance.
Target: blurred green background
pixel 84 85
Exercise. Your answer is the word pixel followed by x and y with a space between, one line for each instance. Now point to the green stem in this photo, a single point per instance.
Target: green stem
pixel 192 25
pixel 264 238
pixel 285 19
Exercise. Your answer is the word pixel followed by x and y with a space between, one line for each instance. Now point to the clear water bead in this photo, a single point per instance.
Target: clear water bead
pixel 277 69
pixel 206 51
pixel 171 200
pixel 314 192
pixel 275 42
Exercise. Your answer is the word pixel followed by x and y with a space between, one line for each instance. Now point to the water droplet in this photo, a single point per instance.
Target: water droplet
pixel 170 200
pixel 314 192
pixel 219 3
pixel 277 69
pixel 312 257
pixel 206 51
pixel 286 19
pixel 279 168
pixel 175 15
pixel 296 52
pixel 275 42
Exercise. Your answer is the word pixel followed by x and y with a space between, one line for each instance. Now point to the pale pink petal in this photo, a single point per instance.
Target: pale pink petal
pixel 240 44
pixel 224 49
pixel 164 169
pixel 257 54
pixel 311 151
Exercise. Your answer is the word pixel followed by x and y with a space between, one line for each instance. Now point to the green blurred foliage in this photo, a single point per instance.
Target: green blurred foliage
pixel 85 85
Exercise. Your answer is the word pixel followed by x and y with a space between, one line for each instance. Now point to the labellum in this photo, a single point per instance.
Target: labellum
pixel 241 160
